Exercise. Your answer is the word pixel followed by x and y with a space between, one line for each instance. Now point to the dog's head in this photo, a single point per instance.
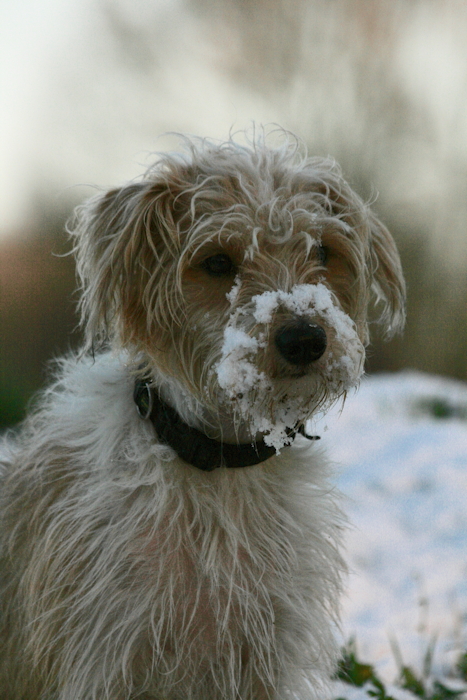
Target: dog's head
pixel 245 276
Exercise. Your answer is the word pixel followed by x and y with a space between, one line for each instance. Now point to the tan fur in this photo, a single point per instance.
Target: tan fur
pixel 125 572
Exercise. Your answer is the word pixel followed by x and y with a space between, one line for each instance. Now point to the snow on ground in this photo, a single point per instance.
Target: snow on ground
pixel 403 472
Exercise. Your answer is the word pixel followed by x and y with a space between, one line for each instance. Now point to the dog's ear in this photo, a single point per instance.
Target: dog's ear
pixel 119 239
pixel 387 280
pixel 377 267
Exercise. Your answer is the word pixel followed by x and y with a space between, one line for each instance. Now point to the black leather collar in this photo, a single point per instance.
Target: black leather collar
pixel 191 444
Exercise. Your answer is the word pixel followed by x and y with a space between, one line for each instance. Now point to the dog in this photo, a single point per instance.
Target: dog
pixel 168 528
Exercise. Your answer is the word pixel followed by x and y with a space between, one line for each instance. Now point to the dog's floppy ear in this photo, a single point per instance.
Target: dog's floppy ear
pixel 118 236
pixel 387 279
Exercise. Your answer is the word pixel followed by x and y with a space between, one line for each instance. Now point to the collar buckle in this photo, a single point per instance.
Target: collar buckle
pixel 143 396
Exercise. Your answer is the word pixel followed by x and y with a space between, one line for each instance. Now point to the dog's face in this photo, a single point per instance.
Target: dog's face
pixel 245 277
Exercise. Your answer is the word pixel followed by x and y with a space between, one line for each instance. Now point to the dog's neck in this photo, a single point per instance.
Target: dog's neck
pixel 191 444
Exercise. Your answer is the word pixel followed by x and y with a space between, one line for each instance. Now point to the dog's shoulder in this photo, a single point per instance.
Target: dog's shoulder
pixel 89 401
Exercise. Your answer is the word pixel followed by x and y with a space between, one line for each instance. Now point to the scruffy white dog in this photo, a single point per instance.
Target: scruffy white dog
pixel 166 531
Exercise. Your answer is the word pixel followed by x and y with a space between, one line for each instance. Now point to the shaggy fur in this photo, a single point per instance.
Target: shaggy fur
pixel 125 572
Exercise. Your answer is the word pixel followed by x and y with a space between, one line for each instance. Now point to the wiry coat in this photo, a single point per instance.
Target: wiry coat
pixel 125 572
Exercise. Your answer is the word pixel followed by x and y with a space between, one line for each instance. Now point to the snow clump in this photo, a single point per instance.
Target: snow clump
pixel 253 391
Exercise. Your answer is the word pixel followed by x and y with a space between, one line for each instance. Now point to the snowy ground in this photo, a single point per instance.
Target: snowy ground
pixel 404 474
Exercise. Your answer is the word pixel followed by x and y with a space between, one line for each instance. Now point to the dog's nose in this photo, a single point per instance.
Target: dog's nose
pixel 301 342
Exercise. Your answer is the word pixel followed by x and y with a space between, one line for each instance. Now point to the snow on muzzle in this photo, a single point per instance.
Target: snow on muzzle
pixel 335 355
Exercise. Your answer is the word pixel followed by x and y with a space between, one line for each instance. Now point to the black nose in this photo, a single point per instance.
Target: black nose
pixel 301 342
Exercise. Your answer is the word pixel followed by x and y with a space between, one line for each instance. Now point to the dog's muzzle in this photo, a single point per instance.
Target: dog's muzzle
pixel 301 343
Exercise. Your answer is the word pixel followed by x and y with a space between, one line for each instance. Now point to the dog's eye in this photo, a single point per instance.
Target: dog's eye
pixel 323 254
pixel 219 265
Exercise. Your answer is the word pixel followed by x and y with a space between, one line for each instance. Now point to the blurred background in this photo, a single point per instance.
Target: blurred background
pixel 89 88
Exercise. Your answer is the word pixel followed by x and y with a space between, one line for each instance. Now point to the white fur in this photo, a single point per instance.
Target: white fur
pixel 153 577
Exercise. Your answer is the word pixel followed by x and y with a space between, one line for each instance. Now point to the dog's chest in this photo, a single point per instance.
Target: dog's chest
pixel 210 589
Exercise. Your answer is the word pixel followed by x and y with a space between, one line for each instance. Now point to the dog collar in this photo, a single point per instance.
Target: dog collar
pixel 191 444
